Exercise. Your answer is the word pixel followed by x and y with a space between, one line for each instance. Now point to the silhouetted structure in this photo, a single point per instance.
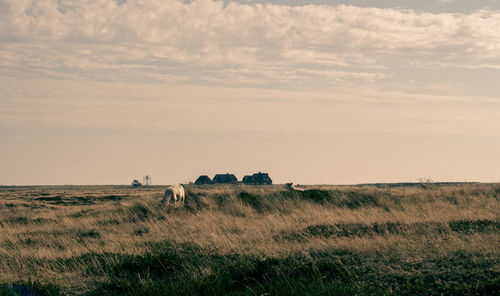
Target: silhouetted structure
pixel 136 183
pixel 203 180
pixel 247 180
pixel 258 179
pixel 225 178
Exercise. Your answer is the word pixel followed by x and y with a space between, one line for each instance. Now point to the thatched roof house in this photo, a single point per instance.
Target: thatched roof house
pixel 247 180
pixel 258 179
pixel 225 178
pixel 203 179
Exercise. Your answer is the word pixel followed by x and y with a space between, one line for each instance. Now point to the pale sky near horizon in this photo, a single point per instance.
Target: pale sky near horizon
pixel 313 92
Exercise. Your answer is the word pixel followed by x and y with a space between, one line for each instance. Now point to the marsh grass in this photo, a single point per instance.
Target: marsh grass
pixel 251 240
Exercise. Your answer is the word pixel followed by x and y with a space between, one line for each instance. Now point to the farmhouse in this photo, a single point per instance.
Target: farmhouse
pixel 258 179
pixel 203 180
pixel 225 178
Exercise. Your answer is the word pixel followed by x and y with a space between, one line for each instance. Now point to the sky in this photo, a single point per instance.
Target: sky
pixel 312 92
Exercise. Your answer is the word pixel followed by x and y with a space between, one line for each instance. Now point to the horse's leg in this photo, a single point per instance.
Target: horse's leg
pixel 179 197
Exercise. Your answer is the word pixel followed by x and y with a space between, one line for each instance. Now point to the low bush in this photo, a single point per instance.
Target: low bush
pixel 140 212
pixel 477 226
pixel 92 233
pixel 30 288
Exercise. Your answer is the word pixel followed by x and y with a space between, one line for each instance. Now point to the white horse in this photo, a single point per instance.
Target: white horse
pixel 174 193
pixel 290 186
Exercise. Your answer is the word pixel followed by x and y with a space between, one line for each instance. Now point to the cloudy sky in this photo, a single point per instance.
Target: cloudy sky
pixel 322 91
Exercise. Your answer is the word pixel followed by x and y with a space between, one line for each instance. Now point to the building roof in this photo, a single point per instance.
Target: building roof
pixel 225 178
pixel 258 179
pixel 203 179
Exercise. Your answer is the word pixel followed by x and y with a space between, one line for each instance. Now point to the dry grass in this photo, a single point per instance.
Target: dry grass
pixel 42 226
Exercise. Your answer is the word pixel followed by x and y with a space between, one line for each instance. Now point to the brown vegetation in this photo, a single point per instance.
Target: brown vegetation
pixel 41 227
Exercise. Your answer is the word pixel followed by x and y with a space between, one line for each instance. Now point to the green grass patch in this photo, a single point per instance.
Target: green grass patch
pixel 222 200
pixel 141 231
pixel 363 230
pixel 30 288
pixel 88 234
pixel 140 212
pixel 110 221
pixel 477 226
pixel 368 230
pixel 23 220
pixel 352 199
pixel 189 270
pixel 193 202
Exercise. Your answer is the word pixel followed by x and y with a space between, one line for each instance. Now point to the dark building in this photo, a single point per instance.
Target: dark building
pixel 258 179
pixel 202 180
pixel 225 178
pixel 247 180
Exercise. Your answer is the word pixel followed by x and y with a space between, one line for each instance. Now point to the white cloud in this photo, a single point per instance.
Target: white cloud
pixel 207 40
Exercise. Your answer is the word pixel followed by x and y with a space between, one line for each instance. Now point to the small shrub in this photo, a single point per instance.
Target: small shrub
pixel 80 214
pixel 88 234
pixel 253 200
pixel 320 230
pixel 452 199
pixel 29 242
pixel 362 230
pixel 46 289
pixel 350 199
pixel 136 184
pixel 25 220
pixel 31 289
pixel 316 195
pixel 7 291
pixel 478 226
pixel 357 199
pixel 496 190
pixel 80 200
pixel 193 202
pixel 141 231
pixel 258 202
pixel 111 197
pixel 111 221
pixel 290 236
pixel 140 212
pixel 222 200
pixel 53 199
pixel 345 230
pixel 287 195
pixel 334 270
pixel 18 220
pixel 426 183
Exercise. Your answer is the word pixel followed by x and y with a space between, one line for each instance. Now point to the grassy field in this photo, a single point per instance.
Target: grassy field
pixel 251 240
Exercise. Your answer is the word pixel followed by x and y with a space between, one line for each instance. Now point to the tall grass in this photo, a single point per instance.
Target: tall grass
pixel 239 239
